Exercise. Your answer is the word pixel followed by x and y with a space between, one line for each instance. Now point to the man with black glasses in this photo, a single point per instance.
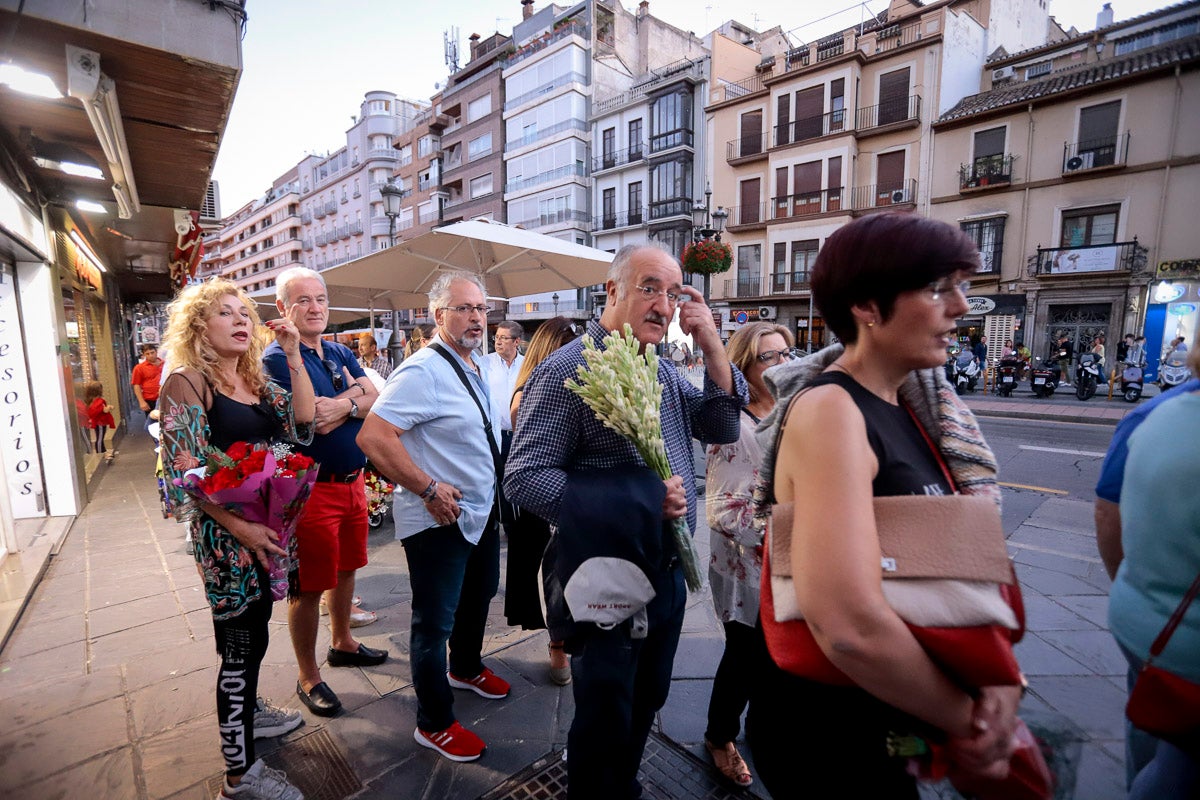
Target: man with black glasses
pixel 331 535
pixel 434 432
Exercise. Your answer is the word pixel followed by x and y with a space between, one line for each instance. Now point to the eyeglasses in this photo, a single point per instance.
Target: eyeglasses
pixel 938 289
pixel 467 309
pixel 335 374
pixel 652 294
pixel 500 338
pixel 775 356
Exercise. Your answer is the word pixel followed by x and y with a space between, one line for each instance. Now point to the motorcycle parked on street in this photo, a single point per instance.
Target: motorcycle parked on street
pixel 1174 369
pixel 1006 376
pixel 1131 382
pixel 1044 378
pixel 966 372
pixel 1087 375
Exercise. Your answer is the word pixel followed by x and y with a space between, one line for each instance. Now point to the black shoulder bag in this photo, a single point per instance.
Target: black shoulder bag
pixel 505 511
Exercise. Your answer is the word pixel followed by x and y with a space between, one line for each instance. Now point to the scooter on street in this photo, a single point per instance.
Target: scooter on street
pixel 966 372
pixel 1174 369
pixel 1087 375
pixel 1006 376
pixel 1044 378
pixel 1131 382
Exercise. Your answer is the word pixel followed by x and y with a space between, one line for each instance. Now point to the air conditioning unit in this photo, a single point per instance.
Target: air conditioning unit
pixel 1082 161
pixel 1002 74
pixel 767 312
pixel 900 195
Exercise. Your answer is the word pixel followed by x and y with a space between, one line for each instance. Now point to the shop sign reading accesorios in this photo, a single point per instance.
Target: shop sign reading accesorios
pixel 18 439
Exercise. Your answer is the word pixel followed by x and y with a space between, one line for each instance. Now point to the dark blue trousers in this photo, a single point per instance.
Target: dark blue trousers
pixel 619 684
pixel 453 583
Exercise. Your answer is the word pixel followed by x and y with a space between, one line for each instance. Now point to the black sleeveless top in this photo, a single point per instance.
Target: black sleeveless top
pixel 906 463
pixel 230 421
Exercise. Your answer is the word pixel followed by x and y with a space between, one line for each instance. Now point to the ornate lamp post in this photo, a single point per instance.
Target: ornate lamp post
pixel 392 196
pixel 707 225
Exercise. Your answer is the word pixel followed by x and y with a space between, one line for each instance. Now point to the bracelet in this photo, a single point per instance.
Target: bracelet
pixel 293 369
pixel 430 491
pixel 361 388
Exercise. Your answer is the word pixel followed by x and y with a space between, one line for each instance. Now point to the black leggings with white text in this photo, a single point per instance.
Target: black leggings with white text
pixel 241 644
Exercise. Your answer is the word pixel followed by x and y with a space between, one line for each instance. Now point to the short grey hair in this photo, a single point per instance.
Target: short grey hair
pixel 294 274
pixel 513 327
pixel 439 293
pixel 619 269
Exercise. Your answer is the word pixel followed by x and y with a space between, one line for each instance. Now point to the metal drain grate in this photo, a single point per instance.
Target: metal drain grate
pixel 314 764
pixel 668 772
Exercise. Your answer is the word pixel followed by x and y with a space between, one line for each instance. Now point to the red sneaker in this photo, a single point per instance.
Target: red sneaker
pixel 486 684
pixel 455 743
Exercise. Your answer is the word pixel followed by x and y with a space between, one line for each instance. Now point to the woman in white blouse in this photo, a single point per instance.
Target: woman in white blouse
pixel 736 562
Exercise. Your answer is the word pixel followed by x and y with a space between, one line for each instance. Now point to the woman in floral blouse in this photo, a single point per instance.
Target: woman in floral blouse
pixel 736 562
pixel 216 396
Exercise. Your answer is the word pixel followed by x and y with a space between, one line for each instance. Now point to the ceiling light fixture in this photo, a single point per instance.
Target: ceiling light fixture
pixel 98 93
pixel 85 250
pixel 30 83
pixel 90 205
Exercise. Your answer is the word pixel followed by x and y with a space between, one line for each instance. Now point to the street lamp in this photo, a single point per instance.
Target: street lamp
pixel 554 299
pixel 707 224
pixel 392 195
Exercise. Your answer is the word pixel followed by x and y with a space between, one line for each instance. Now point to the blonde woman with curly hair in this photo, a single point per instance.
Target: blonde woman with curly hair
pixel 217 395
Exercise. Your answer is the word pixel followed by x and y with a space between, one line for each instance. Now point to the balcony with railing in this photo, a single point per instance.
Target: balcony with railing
pixel 671 207
pixel 1089 259
pixel 736 90
pixel 746 149
pixel 777 284
pixel 807 204
pixel 306 217
pixel 802 130
pixel 618 158
pixel 545 133
pixel 356 228
pixel 544 89
pixel 669 140
pixel 622 219
pixel 572 28
pixel 888 116
pixel 894 36
pixel 1105 153
pixel 545 177
pixel 901 193
pixel 985 173
pixel 322 239
pixel 555 218
pixel 330 207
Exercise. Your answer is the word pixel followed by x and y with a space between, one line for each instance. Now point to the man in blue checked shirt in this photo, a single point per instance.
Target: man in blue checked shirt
pixel 621 681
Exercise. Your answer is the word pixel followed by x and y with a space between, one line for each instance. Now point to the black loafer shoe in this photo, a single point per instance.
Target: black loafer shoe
pixel 320 699
pixel 362 657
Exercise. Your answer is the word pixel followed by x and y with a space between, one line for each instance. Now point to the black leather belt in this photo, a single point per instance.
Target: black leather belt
pixel 338 477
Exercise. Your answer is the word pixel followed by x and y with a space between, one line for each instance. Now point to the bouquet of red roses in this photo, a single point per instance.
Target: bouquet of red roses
pixel 260 484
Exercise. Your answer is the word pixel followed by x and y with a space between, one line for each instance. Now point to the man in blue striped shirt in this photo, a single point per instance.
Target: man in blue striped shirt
pixel 619 681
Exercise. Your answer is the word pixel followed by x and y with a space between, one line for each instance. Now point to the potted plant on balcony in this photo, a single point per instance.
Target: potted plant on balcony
pixel 706 257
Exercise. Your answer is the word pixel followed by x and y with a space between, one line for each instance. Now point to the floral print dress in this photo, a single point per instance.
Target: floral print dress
pixel 231 579
pixel 735 564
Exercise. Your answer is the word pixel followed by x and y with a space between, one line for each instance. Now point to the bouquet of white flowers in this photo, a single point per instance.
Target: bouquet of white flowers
pixel 620 386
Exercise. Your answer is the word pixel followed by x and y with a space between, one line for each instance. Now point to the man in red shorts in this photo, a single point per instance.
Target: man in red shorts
pixel 332 530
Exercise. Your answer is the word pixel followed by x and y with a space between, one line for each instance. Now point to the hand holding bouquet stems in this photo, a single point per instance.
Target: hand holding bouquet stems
pixel 620 385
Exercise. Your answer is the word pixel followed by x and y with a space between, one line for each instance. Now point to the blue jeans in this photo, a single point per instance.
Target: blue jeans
pixel 1154 769
pixel 619 684
pixel 453 583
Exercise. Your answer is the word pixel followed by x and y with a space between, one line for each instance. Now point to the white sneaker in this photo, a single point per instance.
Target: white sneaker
pixel 271 720
pixel 261 783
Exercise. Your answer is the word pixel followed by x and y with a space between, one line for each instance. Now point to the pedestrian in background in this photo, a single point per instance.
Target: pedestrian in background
pixel 216 395
pixel 99 417
pixel 147 378
pixel 735 565
pixel 1160 544
pixel 891 287
pixel 416 340
pixel 529 534
pixel 620 680
pixel 433 433
pixel 331 534
pixel 371 357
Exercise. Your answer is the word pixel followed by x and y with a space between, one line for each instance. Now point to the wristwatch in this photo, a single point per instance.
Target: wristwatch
pixel 353 409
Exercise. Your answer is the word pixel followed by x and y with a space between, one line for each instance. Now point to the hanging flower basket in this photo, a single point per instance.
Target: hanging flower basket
pixel 707 257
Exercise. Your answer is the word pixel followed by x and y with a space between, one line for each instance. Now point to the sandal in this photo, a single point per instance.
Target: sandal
pixel 729 763
pixel 560 675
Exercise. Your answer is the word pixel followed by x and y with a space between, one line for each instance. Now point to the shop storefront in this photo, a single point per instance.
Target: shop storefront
pixel 1173 309
pixel 997 316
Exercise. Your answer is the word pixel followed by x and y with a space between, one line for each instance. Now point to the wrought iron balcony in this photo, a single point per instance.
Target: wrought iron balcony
pixel 807 204
pixel 803 129
pixel 986 171
pixel 1110 151
pixel 889 113
pixel 747 148
pixel 904 192
pixel 618 158
pixel 773 285
pixel 1089 259
pixel 620 219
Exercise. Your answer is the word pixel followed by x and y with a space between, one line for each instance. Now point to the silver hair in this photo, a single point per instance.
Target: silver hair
pixel 439 293
pixel 294 274
pixel 619 270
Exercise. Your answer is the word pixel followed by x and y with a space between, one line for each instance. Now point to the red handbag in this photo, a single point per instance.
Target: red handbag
pixel 1162 703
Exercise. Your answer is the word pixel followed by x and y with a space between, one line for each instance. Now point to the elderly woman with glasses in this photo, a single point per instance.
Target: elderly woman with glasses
pixel 736 545
pixel 867 419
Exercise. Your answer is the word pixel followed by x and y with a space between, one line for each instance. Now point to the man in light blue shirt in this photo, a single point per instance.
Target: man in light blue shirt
pixel 432 436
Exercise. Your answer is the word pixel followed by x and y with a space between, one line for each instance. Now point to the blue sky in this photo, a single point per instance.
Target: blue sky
pixel 306 69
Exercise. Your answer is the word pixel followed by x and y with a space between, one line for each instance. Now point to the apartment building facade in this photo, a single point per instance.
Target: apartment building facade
pixel 1076 171
pixel 836 128
pixel 260 239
